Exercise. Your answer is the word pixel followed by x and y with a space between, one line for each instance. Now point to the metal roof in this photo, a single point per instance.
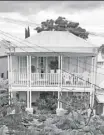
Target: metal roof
pixel 57 39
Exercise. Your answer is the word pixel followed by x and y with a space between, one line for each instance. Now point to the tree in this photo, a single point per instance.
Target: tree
pixel 27 32
pixel 61 24
pixel 12 115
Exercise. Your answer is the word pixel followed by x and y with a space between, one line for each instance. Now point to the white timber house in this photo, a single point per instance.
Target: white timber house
pixel 100 82
pixel 52 61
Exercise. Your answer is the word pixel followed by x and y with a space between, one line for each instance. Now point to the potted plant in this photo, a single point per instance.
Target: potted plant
pixel 53 65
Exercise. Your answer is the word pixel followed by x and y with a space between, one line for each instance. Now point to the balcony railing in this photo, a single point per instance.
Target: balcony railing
pixel 50 79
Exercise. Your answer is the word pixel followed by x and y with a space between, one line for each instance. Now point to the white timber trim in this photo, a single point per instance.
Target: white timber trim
pixel 61 78
pixel 9 76
pixel 30 79
pixel 27 98
pixel 46 65
pixel 27 71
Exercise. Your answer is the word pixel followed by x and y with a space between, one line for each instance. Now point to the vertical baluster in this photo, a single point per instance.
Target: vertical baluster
pixel 33 79
pixel 72 79
pixel 54 79
pixel 45 79
pixel 36 79
pixel 20 78
pixel 17 75
pixel 50 78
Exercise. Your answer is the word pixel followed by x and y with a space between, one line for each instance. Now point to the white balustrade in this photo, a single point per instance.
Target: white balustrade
pixel 76 79
pixel 50 79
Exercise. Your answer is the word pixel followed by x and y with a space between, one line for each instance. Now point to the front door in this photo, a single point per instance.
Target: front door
pixel 42 66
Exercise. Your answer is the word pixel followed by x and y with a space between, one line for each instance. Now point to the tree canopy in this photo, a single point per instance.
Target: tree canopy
pixel 62 24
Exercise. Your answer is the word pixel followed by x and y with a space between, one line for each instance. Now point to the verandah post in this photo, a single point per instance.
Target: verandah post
pixel 9 76
pixel 30 81
pixel 61 79
pixel 27 82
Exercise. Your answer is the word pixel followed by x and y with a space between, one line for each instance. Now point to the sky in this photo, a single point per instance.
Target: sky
pixel 90 15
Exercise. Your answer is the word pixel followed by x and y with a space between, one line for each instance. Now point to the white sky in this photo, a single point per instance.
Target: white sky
pixel 90 15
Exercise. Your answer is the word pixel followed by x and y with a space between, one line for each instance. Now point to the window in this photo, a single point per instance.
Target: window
pixel 33 64
pixel 74 64
pixel 2 75
pixel 23 64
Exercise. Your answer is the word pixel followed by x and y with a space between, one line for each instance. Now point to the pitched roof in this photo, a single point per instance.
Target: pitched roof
pixel 59 39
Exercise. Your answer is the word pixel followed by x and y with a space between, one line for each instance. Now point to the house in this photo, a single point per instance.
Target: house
pixel 99 100
pixel 52 61
pixel 3 55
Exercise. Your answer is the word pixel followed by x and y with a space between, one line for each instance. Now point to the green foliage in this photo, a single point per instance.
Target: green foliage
pixel 54 64
pixel 61 24
pixel 47 102
pixel 13 116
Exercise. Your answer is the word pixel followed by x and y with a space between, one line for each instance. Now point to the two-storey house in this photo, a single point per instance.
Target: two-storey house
pixel 53 61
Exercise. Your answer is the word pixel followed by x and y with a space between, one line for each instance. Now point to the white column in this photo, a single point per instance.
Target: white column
pixel 27 98
pixel 95 73
pixel 92 73
pixel 59 70
pixel 61 80
pixel 93 80
pixel 27 71
pixel 30 81
pixel 9 76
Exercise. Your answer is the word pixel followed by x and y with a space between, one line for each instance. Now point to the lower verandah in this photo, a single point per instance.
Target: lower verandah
pixel 49 71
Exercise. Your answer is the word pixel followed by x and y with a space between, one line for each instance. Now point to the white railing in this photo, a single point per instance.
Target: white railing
pixel 19 79
pixel 37 79
pixel 76 79
pixel 50 79
pixel 45 79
